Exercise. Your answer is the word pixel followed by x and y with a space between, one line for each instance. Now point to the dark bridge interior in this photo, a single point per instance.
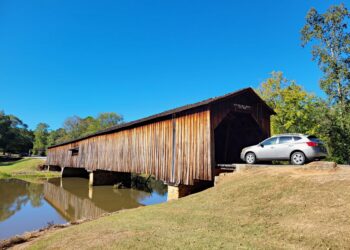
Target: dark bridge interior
pixel 236 131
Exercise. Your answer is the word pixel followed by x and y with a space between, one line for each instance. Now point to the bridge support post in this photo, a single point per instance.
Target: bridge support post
pixel 101 177
pixel 91 178
pixel 178 191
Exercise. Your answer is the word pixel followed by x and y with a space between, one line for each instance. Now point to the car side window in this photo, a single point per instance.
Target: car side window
pixel 270 141
pixel 285 139
pixel 296 138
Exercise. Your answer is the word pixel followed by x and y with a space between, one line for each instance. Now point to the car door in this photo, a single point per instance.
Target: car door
pixel 266 149
pixel 283 148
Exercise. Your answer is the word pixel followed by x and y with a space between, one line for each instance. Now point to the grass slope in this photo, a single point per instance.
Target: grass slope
pixel 24 168
pixel 259 208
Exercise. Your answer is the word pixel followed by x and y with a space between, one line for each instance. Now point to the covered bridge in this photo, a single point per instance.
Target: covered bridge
pixel 179 146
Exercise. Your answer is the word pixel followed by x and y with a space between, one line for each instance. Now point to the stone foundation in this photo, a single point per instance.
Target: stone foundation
pixel 176 192
pixel 101 177
pixel 179 191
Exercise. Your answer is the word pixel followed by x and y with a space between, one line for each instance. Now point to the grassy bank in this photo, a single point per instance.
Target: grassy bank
pixel 24 168
pixel 264 208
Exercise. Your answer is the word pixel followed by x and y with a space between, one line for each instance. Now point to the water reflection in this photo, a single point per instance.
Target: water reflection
pixel 75 200
pixel 14 194
pixel 28 206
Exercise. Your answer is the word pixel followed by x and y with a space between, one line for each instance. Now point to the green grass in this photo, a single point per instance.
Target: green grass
pixel 266 208
pixel 24 168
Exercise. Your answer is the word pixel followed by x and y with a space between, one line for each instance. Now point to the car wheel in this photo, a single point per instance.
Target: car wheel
pixel 298 158
pixel 250 158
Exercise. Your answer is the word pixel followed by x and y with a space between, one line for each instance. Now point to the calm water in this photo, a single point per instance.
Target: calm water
pixel 28 206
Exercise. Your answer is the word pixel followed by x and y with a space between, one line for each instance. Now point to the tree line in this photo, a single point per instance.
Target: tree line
pixel 298 111
pixel 73 127
pixel 17 138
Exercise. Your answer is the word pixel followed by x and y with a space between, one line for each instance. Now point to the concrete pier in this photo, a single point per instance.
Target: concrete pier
pixel 178 191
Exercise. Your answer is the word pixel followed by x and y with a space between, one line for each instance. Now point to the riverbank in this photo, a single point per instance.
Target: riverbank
pixel 257 208
pixel 25 168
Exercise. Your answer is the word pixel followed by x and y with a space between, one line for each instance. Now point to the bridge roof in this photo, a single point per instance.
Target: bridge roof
pixel 169 113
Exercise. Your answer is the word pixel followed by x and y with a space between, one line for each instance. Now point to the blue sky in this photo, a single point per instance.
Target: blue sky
pixel 60 58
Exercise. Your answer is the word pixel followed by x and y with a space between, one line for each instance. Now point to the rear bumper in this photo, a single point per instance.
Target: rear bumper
pixel 315 153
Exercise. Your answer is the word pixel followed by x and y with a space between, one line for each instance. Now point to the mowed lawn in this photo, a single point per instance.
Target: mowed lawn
pixel 264 208
pixel 26 167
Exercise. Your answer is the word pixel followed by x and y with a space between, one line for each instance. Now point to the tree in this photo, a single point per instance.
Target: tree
pixel 297 110
pixel 14 135
pixel 72 126
pixel 56 137
pixel 5 125
pixel 108 119
pixel 40 139
pixel 331 48
pixel 330 37
pixel 75 127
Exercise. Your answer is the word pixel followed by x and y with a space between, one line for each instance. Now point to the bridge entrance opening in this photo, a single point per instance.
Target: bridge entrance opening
pixel 236 131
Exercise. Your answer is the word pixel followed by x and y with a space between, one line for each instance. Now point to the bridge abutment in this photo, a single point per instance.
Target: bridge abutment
pixel 101 177
pixel 178 191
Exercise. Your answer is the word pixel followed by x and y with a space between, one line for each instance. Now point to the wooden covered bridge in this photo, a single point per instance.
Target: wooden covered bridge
pixel 181 146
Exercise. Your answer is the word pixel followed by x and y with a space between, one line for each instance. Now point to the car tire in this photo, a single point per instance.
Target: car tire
pixel 250 158
pixel 298 158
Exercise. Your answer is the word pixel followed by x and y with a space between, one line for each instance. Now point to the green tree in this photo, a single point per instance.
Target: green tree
pixel 331 48
pixel 40 139
pixel 297 110
pixel 108 119
pixel 14 135
pixel 5 125
pixel 56 136
pixel 330 37
pixel 72 126
pixel 75 127
pixel 336 134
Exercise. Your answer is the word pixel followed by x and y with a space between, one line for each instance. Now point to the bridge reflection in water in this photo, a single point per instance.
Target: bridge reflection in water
pixel 75 200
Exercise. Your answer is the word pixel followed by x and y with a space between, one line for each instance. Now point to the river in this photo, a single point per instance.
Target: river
pixel 27 206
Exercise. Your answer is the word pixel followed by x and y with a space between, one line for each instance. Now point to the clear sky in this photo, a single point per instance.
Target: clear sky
pixel 60 58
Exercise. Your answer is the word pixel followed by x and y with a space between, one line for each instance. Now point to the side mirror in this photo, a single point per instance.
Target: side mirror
pixel 261 145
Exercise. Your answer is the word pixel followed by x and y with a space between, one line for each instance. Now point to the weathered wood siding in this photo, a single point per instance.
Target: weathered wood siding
pixel 175 150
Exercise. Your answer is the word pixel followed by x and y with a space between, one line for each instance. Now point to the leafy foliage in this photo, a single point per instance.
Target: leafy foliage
pixel 331 48
pixel 297 111
pixel 41 134
pixel 75 127
pixel 14 135
pixel 330 37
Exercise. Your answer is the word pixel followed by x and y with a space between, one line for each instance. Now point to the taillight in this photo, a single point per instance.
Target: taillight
pixel 312 144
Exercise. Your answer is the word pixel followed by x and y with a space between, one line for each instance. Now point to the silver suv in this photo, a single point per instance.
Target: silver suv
pixel 297 148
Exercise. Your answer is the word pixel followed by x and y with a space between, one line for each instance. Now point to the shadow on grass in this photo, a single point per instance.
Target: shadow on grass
pixel 6 161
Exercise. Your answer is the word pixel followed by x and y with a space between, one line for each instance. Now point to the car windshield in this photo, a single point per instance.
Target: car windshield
pixel 270 141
